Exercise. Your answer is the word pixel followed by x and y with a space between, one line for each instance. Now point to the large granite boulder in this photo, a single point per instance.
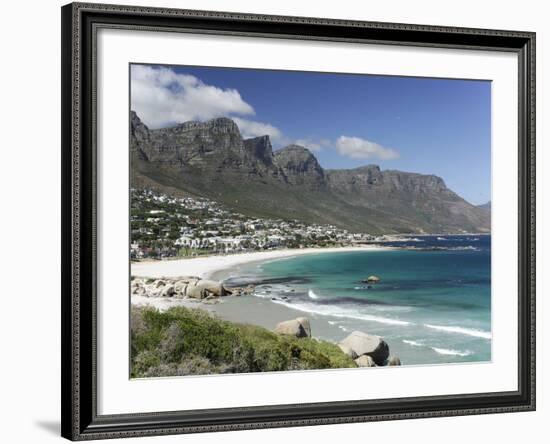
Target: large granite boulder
pixel 180 288
pixel 365 361
pixel 201 289
pixel 299 327
pixel 168 291
pixel 365 344
pixel 194 291
pixel 348 351
pixel 211 287
pixel 304 322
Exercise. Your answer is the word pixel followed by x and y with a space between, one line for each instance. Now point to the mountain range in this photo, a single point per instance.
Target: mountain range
pixel 485 206
pixel 211 159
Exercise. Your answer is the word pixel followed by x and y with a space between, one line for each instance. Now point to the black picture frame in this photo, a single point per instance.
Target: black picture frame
pixel 80 22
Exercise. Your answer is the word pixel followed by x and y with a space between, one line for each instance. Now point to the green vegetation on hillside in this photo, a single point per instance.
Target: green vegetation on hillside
pixel 183 341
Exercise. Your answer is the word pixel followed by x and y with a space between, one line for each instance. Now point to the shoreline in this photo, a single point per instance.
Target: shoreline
pixel 205 267
pixel 267 309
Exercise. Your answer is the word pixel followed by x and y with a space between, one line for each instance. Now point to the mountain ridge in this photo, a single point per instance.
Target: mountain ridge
pixel 212 159
pixel 486 206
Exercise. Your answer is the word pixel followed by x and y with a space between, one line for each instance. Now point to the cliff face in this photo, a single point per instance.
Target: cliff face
pixel 211 159
pixel 300 167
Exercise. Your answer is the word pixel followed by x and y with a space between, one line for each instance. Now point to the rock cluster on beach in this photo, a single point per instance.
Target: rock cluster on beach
pixel 184 287
pixel 366 350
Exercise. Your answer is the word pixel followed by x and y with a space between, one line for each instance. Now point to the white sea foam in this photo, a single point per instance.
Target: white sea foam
pixel 441 238
pixel 441 351
pixel 312 295
pixel 340 312
pixel 446 351
pixel 461 330
pixel 367 317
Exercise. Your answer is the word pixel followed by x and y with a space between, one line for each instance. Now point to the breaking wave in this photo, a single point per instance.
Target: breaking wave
pixel 445 351
pixel 312 295
pixel 439 350
pixel 461 330
pixel 339 312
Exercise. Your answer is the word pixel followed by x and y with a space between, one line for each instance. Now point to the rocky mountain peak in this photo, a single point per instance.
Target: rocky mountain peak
pixel 211 159
pixel 219 125
pixel 296 157
pixel 223 125
pixel 368 169
pixel 260 147
pixel 299 165
pixel 297 150
pixel 137 128
pixel 416 182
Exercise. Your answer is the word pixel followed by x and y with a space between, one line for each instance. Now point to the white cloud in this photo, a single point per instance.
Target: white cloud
pixel 358 148
pixel 161 97
pixel 250 128
pixel 313 144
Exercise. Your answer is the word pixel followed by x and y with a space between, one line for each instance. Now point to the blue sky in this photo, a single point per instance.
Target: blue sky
pixel 432 126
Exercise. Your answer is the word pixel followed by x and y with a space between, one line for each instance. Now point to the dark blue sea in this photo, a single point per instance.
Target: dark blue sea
pixel 432 304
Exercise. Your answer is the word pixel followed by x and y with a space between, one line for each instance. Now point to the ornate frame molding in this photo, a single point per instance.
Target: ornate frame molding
pixel 80 22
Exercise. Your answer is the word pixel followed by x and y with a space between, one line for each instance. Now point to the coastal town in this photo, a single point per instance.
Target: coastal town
pixel 164 226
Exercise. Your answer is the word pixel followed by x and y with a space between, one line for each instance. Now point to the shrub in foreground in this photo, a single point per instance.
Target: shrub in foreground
pixel 183 341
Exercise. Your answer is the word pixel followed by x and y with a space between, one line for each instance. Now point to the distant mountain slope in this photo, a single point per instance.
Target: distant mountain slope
pixel 211 159
pixel 485 206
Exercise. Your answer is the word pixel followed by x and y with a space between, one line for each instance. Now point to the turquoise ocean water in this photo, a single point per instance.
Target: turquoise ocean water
pixel 432 305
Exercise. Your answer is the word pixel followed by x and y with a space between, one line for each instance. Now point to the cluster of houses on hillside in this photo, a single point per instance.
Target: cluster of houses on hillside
pixel 165 226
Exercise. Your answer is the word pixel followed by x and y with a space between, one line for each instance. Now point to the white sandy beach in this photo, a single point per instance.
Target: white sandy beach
pixel 246 308
pixel 204 267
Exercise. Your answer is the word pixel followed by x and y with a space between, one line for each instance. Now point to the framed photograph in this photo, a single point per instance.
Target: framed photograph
pixel 279 221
